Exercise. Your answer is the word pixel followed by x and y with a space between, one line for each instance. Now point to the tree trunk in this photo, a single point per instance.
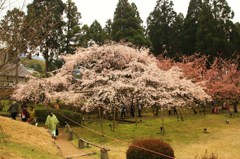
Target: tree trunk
pixel 17 72
pixel 114 117
pixel 163 126
pixel 100 119
pixel 181 114
pixel 46 63
pixel 135 107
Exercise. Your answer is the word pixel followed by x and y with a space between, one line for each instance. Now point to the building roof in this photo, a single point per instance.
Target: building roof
pixel 10 70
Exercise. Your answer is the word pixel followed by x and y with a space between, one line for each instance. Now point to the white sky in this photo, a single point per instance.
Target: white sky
pixel 102 10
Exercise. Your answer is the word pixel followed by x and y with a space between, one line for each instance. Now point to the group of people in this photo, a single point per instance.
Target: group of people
pixel 225 106
pixel 25 114
pixel 29 115
pixel 123 110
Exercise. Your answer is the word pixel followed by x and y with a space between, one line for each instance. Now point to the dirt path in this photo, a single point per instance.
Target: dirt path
pixel 70 151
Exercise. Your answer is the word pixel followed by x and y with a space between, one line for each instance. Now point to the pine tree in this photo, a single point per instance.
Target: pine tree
pixel 96 33
pixel 176 42
pixel 84 36
pixel 235 37
pixel 190 26
pixel 127 24
pixel 108 29
pixel 11 33
pixel 44 20
pixel 160 27
pixel 223 14
pixel 213 35
pixel 206 33
pixel 71 28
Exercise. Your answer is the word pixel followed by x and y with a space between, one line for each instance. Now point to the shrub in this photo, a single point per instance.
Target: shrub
pixel 4 105
pixel 156 145
pixel 1 107
pixel 42 113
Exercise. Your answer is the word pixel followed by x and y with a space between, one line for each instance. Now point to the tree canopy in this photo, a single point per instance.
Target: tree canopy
pixel 127 24
pixel 49 33
pixel 191 23
pixel 111 74
pixel 12 34
pixel 160 27
pixel 72 30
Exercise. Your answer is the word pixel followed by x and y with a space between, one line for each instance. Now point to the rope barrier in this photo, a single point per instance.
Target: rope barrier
pixel 158 153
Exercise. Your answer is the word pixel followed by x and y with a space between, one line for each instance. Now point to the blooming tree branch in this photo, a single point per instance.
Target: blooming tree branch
pixel 112 74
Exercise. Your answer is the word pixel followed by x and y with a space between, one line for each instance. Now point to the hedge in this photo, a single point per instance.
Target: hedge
pixel 42 113
pixel 156 145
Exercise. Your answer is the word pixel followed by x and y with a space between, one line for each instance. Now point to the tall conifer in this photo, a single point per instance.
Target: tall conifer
pixel 127 24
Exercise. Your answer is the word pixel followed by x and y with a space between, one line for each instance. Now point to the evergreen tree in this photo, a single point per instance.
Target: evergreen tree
pixel 190 26
pixel 71 28
pixel 223 14
pixel 160 27
pixel 11 33
pixel 127 24
pixel 206 33
pixel 235 37
pixel 108 29
pixel 44 20
pixel 213 36
pixel 84 36
pixel 96 33
pixel 176 42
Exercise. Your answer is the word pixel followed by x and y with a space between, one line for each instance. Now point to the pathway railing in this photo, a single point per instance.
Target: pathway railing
pixel 82 143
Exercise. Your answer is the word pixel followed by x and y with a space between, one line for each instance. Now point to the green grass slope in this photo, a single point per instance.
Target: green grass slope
pixel 187 138
pixel 35 64
pixel 20 140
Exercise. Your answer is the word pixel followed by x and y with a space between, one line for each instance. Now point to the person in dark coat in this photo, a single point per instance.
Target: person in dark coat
pixel 132 110
pixel 123 110
pixel 235 104
pixel 175 110
pixel 14 109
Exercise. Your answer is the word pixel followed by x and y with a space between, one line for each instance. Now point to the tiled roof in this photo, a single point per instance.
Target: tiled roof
pixel 10 70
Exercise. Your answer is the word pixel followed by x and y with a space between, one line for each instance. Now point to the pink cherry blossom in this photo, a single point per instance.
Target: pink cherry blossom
pixel 111 74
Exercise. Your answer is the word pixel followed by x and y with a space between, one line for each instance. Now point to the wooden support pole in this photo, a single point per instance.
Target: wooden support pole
pixel 70 135
pixel 104 153
pixel 163 126
pixel 114 118
pixel 81 144
pixel 100 119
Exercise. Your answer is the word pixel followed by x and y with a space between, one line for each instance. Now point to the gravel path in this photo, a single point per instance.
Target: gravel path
pixel 69 150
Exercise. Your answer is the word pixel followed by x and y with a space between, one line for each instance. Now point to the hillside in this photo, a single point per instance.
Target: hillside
pixel 20 140
pixel 35 64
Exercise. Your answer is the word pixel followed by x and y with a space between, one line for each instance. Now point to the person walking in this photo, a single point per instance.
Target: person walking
pixel 25 115
pixel 123 110
pixel 51 123
pixel 14 109
pixel 32 118
pixel 235 104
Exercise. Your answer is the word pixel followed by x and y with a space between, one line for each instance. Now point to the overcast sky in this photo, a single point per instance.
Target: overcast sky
pixel 101 10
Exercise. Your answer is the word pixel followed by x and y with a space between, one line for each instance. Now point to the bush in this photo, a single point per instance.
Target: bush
pixel 42 113
pixel 5 104
pixel 156 145
pixel 1 107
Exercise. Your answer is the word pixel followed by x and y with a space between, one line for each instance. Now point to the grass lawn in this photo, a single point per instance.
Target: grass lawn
pixel 187 138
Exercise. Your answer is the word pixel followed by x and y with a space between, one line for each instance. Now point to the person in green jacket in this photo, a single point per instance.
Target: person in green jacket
pixel 51 123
